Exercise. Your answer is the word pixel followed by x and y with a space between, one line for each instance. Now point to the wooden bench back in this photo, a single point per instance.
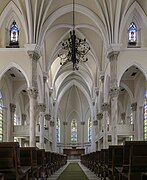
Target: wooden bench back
pixel 127 152
pixel 9 155
pixel 41 158
pixel 138 157
pixel 28 156
pixel 115 156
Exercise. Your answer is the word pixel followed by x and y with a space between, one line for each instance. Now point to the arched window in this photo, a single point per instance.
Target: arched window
pixel 145 117
pixel 14 34
pixel 89 129
pixel 1 117
pixel 73 131
pixel 58 130
pixel 132 34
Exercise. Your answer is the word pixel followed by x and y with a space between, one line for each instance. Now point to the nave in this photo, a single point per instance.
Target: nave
pixel 90 175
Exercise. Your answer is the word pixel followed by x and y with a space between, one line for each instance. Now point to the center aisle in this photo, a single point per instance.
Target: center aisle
pixel 73 171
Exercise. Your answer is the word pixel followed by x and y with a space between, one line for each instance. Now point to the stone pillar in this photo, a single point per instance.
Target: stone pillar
pixel 23 119
pixel 32 92
pixel 99 117
pixel 112 56
pixel 52 124
pixel 105 109
pixel 134 108
pixel 123 118
pixel 65 133
pixel 114 113
pixel 34 57
pixel 141 124
pixel 102 77
pixel 47 119
pixel 42 109
pixel 83 132
pixel 10 123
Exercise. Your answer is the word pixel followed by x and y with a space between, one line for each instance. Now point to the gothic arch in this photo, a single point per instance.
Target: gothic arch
pixel 136 13
pixel 11 11
pixel 10 65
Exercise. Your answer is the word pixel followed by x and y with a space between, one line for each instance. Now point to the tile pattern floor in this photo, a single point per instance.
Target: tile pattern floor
pixel 89 174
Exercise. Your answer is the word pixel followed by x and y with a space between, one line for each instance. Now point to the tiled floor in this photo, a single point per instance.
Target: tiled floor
pixel 89 174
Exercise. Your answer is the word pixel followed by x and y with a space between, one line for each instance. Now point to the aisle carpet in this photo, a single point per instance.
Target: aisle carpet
pixel 73 172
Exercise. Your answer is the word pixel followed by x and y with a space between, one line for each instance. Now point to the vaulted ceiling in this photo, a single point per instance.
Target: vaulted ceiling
pixel 48 22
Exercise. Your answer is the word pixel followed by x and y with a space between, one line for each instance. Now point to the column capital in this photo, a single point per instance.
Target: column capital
pixel 33 92
pixel 52 123
pixel 42 107
pixel 82 122
pixel 113 55
pixel 65 123
pixel 105 107
pixel 12 107
pixel 134 106
pixel 47 117
pixel 114 92
pixel 95 123
pixel 100 116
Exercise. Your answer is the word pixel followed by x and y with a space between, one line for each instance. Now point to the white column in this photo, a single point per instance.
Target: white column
pixel 134 108
pixel 83 132
pixel 105 109
pixel 32 92
pixel 114 113
pixel 99 117
pixel 41 119
pixel 65 133
pixel 140 124
pixel 10 123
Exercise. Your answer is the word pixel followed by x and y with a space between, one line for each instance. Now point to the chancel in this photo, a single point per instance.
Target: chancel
pixel 73 89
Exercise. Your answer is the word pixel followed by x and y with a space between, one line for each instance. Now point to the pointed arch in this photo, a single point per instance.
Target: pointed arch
pixel 9 66
pixel 134 13
pixel 12 12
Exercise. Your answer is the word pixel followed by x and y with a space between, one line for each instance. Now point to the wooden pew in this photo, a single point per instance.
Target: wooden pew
pixel 134 160
pixel 28 157
pixel 41 163
pixel 10 162
pixel 49 165
pixel 1 176
pixel 103 163
pixel 97 161
pixel 115 160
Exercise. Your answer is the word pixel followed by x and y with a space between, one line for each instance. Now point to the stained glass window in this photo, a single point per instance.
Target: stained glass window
pixel 1 117
pixel 132 33
pixel 145 117
pixel 73 131
pixel 58 130
pixel 89 129
pixel 14 34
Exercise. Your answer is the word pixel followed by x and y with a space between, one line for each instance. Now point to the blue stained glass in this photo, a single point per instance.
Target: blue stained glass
pixel 132 33
pixel 14 34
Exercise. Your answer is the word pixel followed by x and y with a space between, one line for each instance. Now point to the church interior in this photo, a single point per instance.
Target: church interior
pixel 73 81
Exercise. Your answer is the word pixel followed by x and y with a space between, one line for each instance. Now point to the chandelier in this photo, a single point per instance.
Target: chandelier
pixel 74 49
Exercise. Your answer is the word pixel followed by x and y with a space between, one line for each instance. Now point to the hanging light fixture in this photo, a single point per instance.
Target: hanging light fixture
pixel 74 49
